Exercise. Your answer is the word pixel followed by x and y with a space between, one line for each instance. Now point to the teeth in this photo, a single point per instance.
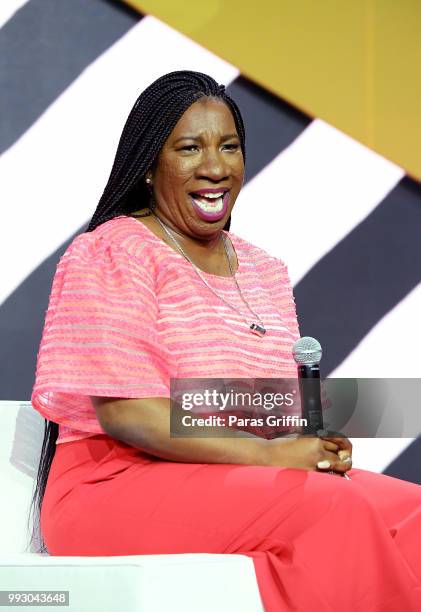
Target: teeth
pixel 213 208
pixel 212 196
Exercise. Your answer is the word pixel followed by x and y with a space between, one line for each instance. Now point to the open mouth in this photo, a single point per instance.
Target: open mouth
pixel 210 201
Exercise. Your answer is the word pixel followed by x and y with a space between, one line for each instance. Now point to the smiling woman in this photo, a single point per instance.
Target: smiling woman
pixel 200 170
pixel 158 288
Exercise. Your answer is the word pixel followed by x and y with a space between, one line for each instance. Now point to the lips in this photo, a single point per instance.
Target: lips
pixel 211 191
pixel 210 204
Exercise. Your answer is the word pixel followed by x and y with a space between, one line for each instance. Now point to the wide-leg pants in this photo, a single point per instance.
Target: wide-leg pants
pixel 318 541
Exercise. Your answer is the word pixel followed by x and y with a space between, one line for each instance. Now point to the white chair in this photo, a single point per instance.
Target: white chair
pixel 135 583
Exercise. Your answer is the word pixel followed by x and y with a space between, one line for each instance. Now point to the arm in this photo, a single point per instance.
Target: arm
pixel 145 424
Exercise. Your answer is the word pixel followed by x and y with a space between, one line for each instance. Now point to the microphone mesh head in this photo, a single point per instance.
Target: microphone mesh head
pixel 307 351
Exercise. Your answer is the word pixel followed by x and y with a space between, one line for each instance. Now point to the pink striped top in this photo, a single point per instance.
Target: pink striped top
pixel 127 313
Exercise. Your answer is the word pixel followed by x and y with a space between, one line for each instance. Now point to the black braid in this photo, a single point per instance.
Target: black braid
pixel 150 122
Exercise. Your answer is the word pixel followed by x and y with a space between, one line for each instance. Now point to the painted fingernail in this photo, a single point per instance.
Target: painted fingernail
pixel 323 464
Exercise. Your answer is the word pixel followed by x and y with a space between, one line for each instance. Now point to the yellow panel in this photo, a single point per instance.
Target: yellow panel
pixel 356 64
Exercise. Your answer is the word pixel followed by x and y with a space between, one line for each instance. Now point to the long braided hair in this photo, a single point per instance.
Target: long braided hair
pixel 150 122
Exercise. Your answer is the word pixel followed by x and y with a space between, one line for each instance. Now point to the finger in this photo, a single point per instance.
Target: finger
pixel 339 439
pixel 328 461
pixel 331 446
pixel 324 465
pixel 346 461
pixel 340 462
pixel 342 465
pixel 345 455
pixel 327 442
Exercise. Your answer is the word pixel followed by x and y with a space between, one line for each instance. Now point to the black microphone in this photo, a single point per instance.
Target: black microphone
pixel 307 353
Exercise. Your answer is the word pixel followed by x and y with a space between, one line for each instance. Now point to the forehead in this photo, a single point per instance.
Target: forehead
pixel 206 115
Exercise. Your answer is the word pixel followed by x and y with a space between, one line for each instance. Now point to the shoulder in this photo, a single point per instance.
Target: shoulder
pixel 118 251
pixel 122 236
pixel 113 256
pixel 261 259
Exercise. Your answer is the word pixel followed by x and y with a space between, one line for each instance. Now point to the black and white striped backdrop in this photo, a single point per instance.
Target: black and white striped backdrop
pixel 345 220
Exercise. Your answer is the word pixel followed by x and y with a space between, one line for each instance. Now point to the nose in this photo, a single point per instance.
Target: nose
pixel 213 166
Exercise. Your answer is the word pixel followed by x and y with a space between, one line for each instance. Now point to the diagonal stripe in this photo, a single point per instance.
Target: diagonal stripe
pixel 364 276
pixel 272 124
pixel 407 464
pixel 315 192
pixel 21 322
pixel 8 8
pixel 44 47
pixel 394 336
pixel 375 454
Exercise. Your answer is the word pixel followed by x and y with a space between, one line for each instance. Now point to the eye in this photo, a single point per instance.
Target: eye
pixel 231 147
pixel 189 148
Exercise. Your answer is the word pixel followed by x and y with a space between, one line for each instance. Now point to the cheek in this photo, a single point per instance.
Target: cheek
pixel 175 172
pixel 237 169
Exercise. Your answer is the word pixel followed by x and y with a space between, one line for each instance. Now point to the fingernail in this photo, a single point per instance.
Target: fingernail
pixel 344 456
pixel 323 464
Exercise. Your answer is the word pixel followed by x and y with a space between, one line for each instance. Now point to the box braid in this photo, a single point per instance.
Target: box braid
pixel 150 122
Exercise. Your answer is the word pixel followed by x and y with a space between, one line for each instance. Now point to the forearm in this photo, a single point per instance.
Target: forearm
pixel 145 424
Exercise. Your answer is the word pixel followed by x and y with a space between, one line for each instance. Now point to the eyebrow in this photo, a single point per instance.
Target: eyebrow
pixel 197 138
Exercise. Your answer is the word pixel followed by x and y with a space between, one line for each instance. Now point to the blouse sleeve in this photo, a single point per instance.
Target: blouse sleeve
pixel 100 336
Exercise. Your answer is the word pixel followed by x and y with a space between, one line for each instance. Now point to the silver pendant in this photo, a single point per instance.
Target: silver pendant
pixel 257 329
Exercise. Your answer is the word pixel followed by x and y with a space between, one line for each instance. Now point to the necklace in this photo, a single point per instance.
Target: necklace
pixel 256 328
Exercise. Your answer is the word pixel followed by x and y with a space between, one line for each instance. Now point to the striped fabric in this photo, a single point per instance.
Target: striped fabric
pixel 127 312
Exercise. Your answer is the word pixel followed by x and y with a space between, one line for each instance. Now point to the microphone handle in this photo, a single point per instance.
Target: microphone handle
pixel 311 404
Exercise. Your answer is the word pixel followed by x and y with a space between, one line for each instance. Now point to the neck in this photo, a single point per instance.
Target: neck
pixel 212 243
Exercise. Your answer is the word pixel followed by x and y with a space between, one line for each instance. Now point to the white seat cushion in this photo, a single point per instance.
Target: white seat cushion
pixel 139 583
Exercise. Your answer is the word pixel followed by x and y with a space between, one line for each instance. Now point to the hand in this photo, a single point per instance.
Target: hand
pixel 344 444
pixel 306 452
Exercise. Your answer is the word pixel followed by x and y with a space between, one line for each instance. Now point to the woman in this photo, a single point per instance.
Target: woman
pixel 158 288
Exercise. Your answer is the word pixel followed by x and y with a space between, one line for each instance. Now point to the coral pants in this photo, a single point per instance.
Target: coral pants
pixel 318 541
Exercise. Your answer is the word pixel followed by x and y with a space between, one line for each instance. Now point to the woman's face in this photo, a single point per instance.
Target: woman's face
pixel 199 171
